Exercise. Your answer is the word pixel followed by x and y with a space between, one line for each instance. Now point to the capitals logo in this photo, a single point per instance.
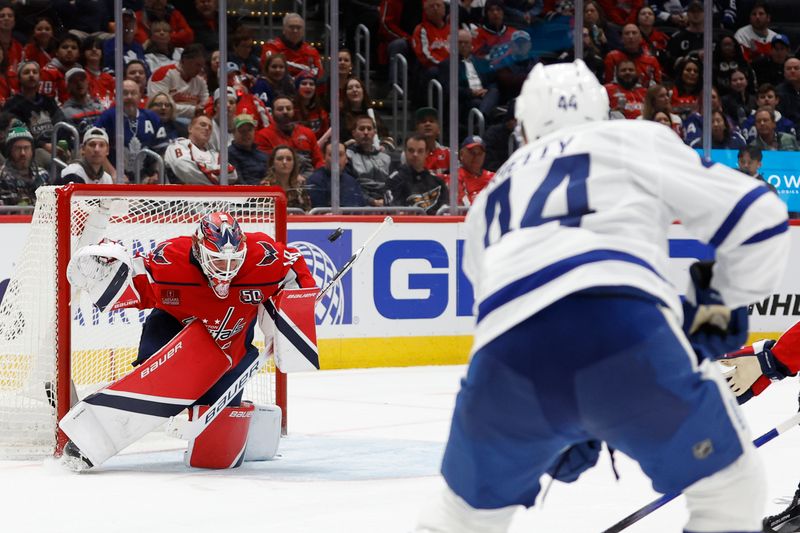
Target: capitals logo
pixel 324 259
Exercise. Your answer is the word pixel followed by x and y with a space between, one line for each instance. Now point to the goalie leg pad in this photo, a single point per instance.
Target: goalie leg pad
pixel 222 443
pixel 172 379
pixel 265 433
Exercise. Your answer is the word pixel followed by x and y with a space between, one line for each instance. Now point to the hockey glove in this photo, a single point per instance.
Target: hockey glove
pixel 754 367
pixel 102 270
pixel 575 460
pixel 711 327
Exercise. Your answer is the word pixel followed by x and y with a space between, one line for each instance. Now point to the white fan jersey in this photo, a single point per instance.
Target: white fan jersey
pixel 589 206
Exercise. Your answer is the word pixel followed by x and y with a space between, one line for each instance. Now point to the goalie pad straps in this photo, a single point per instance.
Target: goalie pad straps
pixel 295 333
pixel 222 443
pixel 172 379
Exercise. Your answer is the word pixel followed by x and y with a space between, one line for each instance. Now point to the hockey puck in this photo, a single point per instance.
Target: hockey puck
pixel 336 234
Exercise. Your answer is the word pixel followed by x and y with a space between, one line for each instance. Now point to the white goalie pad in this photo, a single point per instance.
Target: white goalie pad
pixel 264 435
pixel 104 272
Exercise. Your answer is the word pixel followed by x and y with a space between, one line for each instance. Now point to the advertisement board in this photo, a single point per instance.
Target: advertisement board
pixel 407 301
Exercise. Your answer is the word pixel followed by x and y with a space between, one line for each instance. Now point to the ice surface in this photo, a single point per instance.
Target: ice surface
pixel 362 456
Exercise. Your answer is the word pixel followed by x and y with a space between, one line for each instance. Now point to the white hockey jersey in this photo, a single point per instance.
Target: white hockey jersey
pixel 589 206
pixel 191 165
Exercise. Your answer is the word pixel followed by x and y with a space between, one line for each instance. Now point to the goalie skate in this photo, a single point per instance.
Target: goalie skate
pixel 74 459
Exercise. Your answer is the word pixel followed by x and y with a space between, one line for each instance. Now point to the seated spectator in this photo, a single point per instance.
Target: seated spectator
pixel 655 41
pixel 739 103
pixel 430 40
pixel 693 124
pixel 284 172
pixel 722 136
pixel 472 177
pixel 656 100
pixel 136 71
pixel 756 37
pixel 626 96
pixel 688 86
pixel 499 140
pixel 355 102
pixel 180 33
pixel 526 12
pixel 309 111
pixel 789 90
pixel 142 129
pixel 232 99
pixel 300 56
pixel 250 163
pixel 632 50
pixel 42 45
pixel 275 81
pixel 242 53
pixel 192 161
pixel 592 55
pixel 769 68
pixel 475 86
pixel 130 48
pixel 91 166
pixel 621 13
pixel 101 84
pixel 688 40
pixel 20 176
pixel 673 13
pixel 666 119
pixel 204 20
pixel 512 69
pixel 158 49
pixel 319 183
pixel 370 165
pixel 80 108
pixel 749 159
pixel 52 75
pixel 85 17
pixel 283 130
pixel 437 158
pixel 491 33
pixel 395 31
pixel 162 105
pixel 183 82
pixel 38 112
pixel 412 184
pixel 9 83
pixel 767 97
pixel 601 34
pixel 767 136
pixel 10 45
pixel 727 58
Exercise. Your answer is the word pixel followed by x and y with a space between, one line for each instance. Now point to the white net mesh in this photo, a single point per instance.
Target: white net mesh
pixel 103 344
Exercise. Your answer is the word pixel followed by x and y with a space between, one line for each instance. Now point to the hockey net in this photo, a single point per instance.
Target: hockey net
pixel 54 345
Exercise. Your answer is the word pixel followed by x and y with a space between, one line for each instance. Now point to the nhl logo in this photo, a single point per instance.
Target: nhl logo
pixel 703 449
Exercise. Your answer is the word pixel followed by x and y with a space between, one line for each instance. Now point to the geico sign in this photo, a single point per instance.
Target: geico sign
pixel 411 279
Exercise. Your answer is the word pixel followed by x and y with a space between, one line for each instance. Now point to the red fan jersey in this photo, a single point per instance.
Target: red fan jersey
pixel 629 102
pixel 169 278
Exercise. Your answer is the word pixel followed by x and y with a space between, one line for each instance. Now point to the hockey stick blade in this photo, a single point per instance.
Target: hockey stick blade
pixel 353 258
pixel 666 498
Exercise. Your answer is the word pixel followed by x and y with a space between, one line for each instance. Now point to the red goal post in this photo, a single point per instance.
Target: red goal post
pixel 54 345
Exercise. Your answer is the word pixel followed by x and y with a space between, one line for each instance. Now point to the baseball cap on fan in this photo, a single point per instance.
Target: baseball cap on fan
pixel 95 133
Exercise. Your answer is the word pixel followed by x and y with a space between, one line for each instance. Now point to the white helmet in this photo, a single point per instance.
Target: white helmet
pixel 559 95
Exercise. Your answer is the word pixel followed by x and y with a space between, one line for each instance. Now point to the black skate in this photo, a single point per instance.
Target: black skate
pixel 786 522
pixel 74 459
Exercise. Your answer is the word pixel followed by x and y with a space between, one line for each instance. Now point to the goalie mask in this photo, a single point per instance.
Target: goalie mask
pixel 219 246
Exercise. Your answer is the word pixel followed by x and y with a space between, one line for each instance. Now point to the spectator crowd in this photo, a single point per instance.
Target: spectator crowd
pixel 57 64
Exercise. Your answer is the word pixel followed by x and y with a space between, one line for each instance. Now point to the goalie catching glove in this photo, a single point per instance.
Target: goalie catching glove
pixel 103 271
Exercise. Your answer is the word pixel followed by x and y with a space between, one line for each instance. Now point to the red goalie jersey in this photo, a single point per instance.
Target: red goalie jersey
pixel 170 279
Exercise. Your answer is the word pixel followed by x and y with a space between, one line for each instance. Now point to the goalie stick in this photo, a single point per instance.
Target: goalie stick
pixel 349 264
pixel 666 498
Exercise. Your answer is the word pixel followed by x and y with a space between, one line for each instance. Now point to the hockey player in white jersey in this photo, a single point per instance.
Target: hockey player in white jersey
pixel 579 335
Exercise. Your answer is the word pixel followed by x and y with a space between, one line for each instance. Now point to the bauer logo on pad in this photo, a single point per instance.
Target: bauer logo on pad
pixel 324 259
